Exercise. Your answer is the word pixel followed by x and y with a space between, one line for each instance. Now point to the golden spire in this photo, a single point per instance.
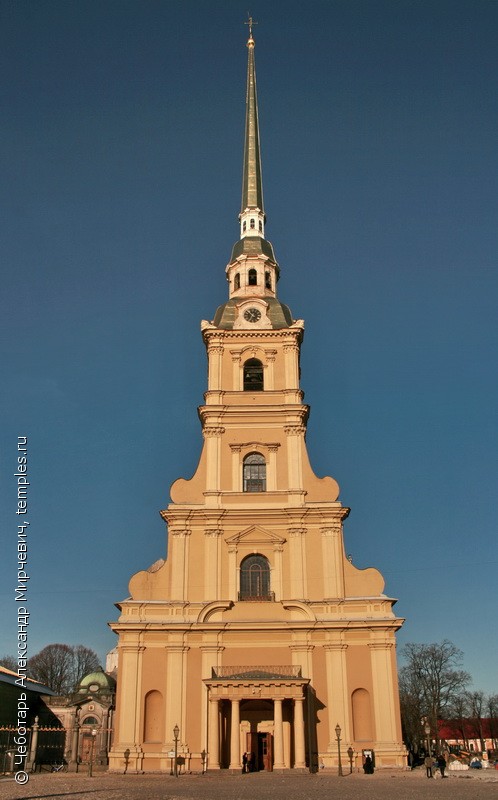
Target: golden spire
pixel 252 185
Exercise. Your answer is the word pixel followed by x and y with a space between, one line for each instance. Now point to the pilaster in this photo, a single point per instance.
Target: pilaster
pixel 383 694
pixel 212 563
pixel 176 687
pixel 215 360
pixel 297 558
pixel 338 712
pixel 178 546
pixel 332 560
pixel 210 658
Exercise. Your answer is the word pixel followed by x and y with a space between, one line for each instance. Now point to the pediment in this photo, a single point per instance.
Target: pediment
pixel 255 535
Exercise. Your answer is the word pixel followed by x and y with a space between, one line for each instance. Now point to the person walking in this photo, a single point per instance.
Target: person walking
pixel 441 763
pixel 428 762
pixel 244 763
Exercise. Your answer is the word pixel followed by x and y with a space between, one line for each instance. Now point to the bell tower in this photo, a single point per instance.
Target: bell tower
pixel 256 634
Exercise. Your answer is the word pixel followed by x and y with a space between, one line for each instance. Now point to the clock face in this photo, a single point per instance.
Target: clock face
pixel 252 314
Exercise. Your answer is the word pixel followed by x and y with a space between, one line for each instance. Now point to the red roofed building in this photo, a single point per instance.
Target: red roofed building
pixel 470 735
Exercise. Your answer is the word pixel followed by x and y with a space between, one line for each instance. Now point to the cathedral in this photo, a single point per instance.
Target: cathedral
pixel 256 639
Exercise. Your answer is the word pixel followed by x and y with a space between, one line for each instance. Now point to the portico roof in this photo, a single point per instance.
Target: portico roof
pixel 265 673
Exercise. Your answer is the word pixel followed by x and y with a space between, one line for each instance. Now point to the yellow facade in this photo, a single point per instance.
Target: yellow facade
pixel 256 635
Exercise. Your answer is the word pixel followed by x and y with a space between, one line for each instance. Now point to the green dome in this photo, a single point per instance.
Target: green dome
pixel 100 678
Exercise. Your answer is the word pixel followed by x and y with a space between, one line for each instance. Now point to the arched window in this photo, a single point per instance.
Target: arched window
pixel 252 277
pixel 254 473
pixel 255 578
pixel 252 223
pixel 253 376
pixel 267 280
pixel 236 281
pixel 244 226
pixel 90 721
pixel 260 226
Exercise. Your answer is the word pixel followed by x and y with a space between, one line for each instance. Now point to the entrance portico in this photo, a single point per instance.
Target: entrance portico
pixel 259 710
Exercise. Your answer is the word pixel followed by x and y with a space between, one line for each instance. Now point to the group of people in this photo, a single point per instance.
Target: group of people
pixel 248 762
pixel 437 764
pixel 368 766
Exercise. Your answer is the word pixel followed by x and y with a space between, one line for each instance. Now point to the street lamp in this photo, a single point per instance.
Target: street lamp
pixel 338 734
pixel 350 756
pixel 427 729
pixel 176 732
pixel 92 748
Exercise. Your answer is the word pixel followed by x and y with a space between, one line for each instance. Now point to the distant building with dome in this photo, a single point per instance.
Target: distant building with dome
pixel 87 716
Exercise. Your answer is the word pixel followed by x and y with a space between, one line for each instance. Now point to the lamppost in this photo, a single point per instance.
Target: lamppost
pixel 176 733
pixel 350 756
pixel 92 748
pixel 338 734
pixel 428 735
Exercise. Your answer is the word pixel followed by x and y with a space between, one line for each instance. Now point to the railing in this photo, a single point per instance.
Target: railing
pixel 266 672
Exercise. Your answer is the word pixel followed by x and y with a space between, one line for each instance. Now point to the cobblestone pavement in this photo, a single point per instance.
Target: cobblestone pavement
pixel 274 786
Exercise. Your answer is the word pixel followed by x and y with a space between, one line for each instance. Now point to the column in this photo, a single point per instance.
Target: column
pixel 299 748
pixel 235 736
pixel 214 734
pixel 279 734
pixel 33 746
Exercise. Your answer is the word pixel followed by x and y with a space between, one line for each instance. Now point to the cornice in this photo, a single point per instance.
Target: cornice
pixel 209 331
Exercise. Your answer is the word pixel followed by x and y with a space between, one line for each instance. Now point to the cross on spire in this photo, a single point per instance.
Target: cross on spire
pixel 250 22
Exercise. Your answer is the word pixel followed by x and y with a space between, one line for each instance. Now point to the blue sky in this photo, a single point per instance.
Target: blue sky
pixel 121 151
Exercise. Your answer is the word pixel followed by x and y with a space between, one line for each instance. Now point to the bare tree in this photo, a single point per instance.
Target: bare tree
pixel 9 662
pixel 410 698
pixel 85 661
pixel 460 713
pixel 477 705
pixel 61 666
pixel 492 711
pixel 433 676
